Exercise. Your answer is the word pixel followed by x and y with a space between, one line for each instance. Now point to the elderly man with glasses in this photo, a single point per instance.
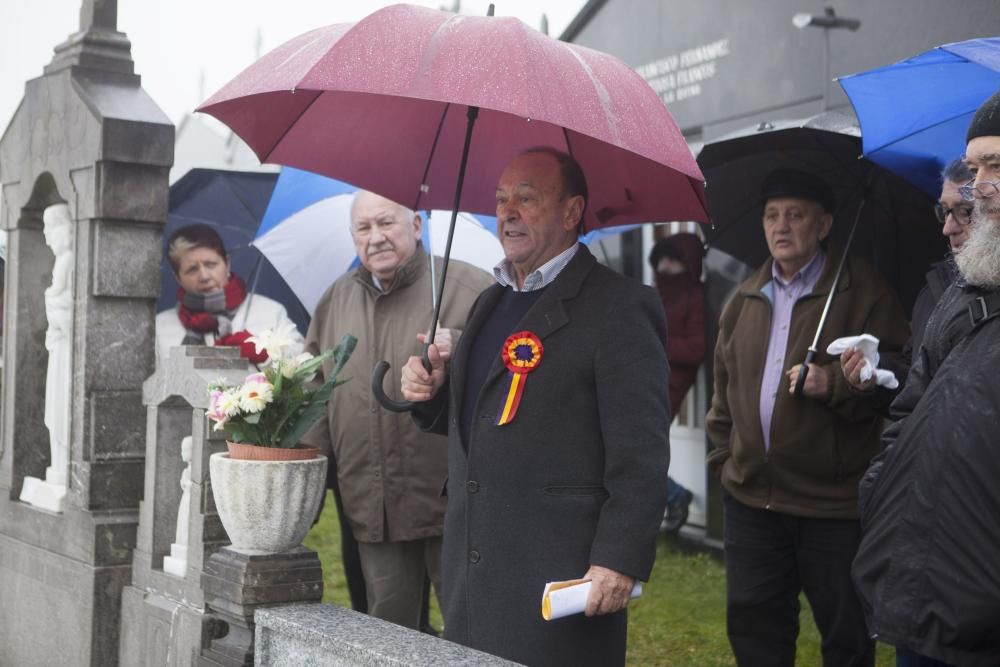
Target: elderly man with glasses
pixel 954 213
pixel 926 570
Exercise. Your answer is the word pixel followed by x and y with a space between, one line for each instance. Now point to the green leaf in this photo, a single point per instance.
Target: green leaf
pixel 317 402
pixel 309 367
pixel 253 418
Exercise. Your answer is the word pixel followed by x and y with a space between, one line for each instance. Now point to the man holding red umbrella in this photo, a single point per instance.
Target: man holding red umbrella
pixel 556 409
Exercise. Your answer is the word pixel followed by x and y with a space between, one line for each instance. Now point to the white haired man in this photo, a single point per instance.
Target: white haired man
pixel 926 568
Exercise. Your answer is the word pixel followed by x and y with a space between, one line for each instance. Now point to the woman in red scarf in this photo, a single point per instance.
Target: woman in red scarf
pixel 212 303
pixel 676 260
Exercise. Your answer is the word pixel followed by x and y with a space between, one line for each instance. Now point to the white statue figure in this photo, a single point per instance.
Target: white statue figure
pixel 176 562
pixel 51 493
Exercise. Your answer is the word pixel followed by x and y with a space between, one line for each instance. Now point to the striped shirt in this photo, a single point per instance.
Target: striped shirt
pixel 540 277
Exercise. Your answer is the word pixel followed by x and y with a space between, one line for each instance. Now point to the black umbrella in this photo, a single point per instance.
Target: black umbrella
pixel 892 221
pixel 233 204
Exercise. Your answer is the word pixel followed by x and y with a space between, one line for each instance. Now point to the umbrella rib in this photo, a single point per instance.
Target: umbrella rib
pixel 289 126
pixel 430 157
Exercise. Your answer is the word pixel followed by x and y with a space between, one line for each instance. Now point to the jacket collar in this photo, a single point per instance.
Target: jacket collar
pixel 759 284
pixel 545 317
pixel 408 273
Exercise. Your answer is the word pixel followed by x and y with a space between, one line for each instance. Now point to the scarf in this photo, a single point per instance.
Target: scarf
pixel 210 313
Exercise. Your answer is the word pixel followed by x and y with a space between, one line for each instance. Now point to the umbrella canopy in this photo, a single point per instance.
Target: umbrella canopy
pixel 897 231
pixel 914 114
pixel 312 247
pixel 383 104
pixel 232 203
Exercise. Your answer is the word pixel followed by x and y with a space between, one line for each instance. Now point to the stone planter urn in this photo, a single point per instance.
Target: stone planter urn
pixel 267 505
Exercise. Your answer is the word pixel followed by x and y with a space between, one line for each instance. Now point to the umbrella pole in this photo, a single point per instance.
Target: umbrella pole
pixel 430 256
pixel 253 289
pixel 382 367
pixel 812 351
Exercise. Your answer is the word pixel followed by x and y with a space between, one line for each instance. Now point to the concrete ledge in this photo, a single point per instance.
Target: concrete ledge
pixel 308 635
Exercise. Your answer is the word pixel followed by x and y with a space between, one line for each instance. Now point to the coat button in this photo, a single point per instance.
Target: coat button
pixel 473 556
pixel 472 486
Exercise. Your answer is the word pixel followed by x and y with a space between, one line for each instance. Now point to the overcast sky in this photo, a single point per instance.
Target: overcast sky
pixel 185 50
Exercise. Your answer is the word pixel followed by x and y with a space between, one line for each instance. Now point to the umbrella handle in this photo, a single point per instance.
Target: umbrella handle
pixel 378 375
pixel 800 383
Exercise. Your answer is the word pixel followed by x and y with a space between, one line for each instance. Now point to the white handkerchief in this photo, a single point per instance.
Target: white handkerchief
pixel 868 346
pixel 564 598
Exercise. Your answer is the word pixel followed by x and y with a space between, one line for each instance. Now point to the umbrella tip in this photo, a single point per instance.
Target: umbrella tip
pixel 765 126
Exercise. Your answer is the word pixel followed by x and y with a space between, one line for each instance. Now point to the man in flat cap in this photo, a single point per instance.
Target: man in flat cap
pixel 926 570
pixel 790 465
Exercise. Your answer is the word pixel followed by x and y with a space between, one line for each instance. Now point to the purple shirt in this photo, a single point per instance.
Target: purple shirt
pixel 783 296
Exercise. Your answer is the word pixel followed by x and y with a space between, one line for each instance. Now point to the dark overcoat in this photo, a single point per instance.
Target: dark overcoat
pixel 578 478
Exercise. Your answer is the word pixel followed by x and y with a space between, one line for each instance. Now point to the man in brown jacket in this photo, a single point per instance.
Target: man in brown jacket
pixel 790 465
pixel 389 474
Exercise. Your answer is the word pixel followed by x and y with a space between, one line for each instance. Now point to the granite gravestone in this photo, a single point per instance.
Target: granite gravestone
pixel 87 137
pixel 163 610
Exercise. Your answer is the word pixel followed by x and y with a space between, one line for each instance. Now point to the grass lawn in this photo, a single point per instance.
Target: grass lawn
pixel 679 620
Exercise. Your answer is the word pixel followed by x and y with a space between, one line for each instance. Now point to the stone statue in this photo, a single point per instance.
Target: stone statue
pixel 50 494
pixel 176 562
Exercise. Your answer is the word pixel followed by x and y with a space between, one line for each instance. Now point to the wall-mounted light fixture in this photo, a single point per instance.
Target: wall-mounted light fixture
pixel 828 21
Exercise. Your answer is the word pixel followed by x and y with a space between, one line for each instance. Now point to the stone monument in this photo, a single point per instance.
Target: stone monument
pixel 163 609
pixel 85 137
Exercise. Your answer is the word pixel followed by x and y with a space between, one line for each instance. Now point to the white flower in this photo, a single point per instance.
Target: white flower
pixel 290 366
pixel 275 341
pixel 254 396
pixel 228 403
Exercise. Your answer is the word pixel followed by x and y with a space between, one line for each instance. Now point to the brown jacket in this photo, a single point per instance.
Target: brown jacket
pixel 386 467
pixel 819 448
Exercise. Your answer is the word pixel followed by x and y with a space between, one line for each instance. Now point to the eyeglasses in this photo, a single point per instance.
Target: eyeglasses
pixel 962 213
pixel 986 189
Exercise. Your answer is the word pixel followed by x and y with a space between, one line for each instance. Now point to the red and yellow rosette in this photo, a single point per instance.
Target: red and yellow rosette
pixel 522 352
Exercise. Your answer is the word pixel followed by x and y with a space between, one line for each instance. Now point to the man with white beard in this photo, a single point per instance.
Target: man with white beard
pixel 926 570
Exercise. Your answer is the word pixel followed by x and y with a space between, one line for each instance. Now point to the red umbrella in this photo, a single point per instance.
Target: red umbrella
pixel 389 104
pixel 382 104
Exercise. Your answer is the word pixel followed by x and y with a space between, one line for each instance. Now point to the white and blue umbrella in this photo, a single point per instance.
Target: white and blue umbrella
pixel 305 234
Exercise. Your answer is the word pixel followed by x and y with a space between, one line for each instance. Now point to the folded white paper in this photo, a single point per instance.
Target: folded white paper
pixel 565 598
pixel 867 345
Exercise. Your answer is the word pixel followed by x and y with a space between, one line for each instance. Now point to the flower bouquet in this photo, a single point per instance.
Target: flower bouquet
pixel 276 406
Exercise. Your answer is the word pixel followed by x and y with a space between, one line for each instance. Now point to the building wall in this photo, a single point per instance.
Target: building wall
pixel 724 64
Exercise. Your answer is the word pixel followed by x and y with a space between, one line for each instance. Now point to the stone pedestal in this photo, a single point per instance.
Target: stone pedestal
pixel 237 583
pixel 47 494
pixel 177 562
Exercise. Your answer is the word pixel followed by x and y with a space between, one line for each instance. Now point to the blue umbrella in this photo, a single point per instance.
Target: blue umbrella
pixel 233 203
pixel 914 114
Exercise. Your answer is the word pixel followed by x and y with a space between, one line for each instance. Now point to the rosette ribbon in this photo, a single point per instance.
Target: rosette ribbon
pixel 522 352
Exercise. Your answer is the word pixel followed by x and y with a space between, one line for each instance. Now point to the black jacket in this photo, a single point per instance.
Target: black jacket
pixel 928 568
pixel 941 275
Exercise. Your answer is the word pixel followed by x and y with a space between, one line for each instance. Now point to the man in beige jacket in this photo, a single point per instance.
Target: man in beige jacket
pixel 389 474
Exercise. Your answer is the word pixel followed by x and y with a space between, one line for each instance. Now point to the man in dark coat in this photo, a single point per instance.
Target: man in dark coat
pixel 926 570
pixel 570 484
